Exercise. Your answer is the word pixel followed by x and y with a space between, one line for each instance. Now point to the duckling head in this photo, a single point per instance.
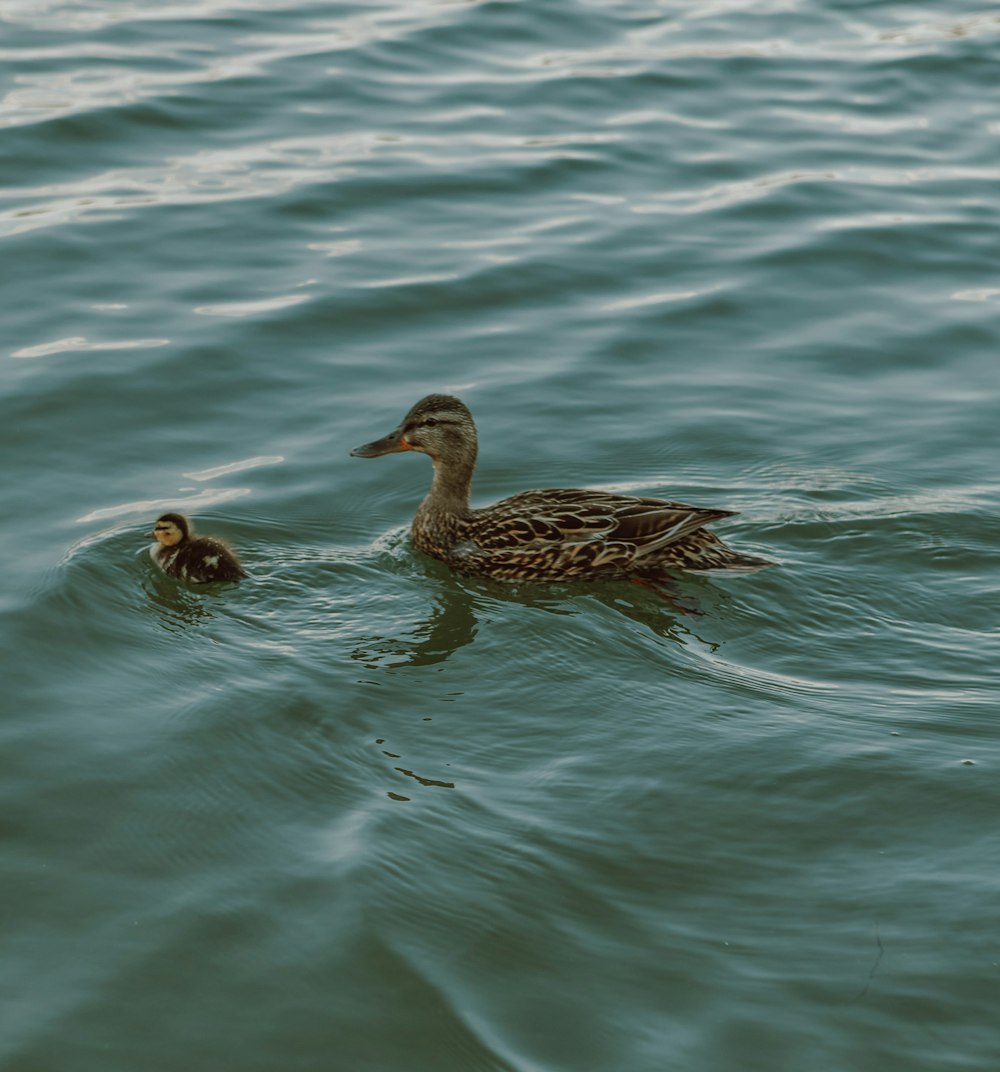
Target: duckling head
pixel 438 425
pixel 170 530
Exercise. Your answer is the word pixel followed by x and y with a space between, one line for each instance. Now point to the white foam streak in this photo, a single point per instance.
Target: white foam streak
pixel 251 308
pixel 663 297
pixel 208 497
pixel 79 343
pixel 236 467
pixel 983 294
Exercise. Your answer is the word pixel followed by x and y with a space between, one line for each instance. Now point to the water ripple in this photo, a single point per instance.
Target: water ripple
pixel 741 252
pixel 251 308
pixel 149 507
pixel 79 344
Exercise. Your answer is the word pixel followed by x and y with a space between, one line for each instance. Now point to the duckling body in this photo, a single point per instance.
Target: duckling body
pixel 196 559
pixel 549 534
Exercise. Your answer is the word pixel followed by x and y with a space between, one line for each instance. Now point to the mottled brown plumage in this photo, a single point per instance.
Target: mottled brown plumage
pixel 551 534
pixel 197 559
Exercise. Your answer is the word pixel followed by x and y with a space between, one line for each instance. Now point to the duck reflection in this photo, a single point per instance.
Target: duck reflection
pixel 451 625
pixel 454 622
pixel 662 610
pixel 178 609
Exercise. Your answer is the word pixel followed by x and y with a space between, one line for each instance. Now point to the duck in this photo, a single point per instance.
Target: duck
pixel 198 559
pixel 548 534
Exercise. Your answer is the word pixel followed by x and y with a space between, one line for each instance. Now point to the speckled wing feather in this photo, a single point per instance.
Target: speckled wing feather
pixel 571 532
pixel 574 515
pixel 546 561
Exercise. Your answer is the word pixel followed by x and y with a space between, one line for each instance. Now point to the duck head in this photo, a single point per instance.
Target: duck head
pixel 438 425
pixel 170 529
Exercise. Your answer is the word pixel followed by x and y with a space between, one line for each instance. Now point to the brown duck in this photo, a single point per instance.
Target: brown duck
pixel 554 534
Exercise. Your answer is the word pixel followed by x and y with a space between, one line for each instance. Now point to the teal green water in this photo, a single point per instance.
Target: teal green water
pixel 359 814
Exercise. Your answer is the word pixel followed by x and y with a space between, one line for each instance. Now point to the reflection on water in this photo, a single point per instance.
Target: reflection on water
pixel 453 622
pixel 451 625
pixel 177 607
pixel 659 615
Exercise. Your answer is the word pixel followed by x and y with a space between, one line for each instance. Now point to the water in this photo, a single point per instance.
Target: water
pixel 360 814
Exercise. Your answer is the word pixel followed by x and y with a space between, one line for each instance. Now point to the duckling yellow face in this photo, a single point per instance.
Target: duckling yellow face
pixel 167 533
pixel 170 529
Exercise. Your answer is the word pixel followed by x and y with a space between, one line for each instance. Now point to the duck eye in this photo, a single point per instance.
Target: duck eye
pixel 430 422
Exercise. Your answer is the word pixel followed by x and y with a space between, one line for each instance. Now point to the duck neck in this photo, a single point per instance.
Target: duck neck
pixel 449 492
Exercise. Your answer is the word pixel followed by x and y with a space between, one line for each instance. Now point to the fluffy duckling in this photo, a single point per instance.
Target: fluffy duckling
pixel 199 559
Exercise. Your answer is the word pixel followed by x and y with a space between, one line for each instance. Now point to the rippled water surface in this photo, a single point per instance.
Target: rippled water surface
pixel 360 814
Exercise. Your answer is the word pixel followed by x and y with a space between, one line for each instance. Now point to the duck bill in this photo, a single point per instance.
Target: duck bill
pixel 393 443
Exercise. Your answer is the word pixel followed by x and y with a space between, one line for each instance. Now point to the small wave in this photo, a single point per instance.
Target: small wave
pixel 80 344
pixel 236 467
pixel 759 679
pixel 951 30
pixel 251 308
pixel 208 497
pixel 980 294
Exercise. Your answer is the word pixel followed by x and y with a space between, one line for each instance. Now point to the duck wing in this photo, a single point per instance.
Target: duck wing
pixel 624 527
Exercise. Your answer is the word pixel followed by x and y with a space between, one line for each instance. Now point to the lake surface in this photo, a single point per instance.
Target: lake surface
pixel 360 814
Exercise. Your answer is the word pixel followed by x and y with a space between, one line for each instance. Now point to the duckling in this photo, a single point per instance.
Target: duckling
pixel 199 559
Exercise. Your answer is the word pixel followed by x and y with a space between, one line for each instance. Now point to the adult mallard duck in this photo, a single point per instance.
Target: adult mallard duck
pixel 553 534
pixel 199 559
